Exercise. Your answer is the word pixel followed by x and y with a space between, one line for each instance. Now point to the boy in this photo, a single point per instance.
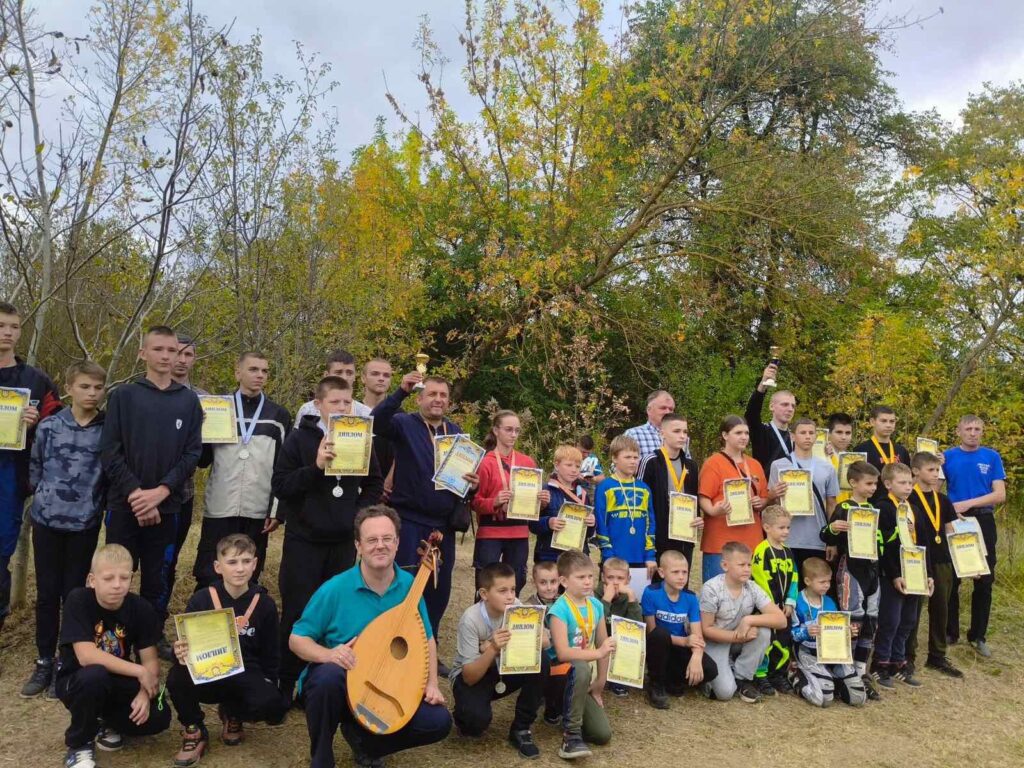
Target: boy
pixel 880 448
pixel 897 611
pixel 579 637
pixel 545 584
pixel 340 364
pixel 563 488
pixel 546 591
pixel 933 518
pixel 474 674
pixel 773 568
pixel 675 642
pixel 840 435
pixel 622 508
pixel 618 599
pixel 317 511
pixel 736 637
pixel 591 471
pixel 251 695
pixel 109 669
pixel 857 579
pixel 67 509
pixel 813 681
pixel 667 471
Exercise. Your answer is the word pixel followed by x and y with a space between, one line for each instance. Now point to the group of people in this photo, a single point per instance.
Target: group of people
pixel 350 550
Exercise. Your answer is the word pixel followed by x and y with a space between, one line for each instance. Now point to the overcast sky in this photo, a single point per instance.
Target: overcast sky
pixel 935 64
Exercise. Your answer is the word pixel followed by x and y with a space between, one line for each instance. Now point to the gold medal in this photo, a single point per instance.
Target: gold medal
pixel 938 539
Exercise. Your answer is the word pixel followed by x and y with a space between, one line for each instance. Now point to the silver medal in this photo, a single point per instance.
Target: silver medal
pixel 632 531
pixel 500 688
pixel 243 454
pixel 338 491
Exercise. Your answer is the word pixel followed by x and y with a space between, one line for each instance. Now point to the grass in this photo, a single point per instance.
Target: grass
pixel 973 722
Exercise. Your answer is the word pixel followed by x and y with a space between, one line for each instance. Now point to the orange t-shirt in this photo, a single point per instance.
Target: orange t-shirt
pixel 717 469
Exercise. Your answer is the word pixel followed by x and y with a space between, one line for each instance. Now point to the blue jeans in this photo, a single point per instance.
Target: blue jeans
pixel 436 598
pixel 12 508
pixel 897 620
pixel 711 566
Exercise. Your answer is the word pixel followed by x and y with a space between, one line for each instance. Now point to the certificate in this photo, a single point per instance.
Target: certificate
pixel 862 538
pixel 213 649
pixel 525 484
pixel 820 442
pixel 927 445
pixel 574 534
pixel 737 493
pixel 914 570
pixel 521 655
pixel 353 443
pixel 682 512
pixel 968 555
pixel 799 500
pixel 846 458
pixel 835 642
pixel 220 426
pixel 13 402
pixel 442 444
pixel 627 663
pixel 905 524
pixel 463 458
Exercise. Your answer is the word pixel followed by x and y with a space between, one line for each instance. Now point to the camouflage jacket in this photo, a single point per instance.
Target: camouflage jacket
pixel 65 471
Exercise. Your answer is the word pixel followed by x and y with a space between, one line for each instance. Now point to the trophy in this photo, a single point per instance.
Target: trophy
pixel 421 366
pixel 774 352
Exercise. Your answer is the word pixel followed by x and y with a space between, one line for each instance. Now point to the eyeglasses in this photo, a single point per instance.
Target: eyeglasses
pixel 511 430
pixel 387 541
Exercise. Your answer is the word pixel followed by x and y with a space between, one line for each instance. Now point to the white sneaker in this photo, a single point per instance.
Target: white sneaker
pixel 108 739
pixel 80 758
pixel 982 648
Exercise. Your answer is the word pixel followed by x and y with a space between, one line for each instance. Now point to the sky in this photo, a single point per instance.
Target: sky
pixel 935 63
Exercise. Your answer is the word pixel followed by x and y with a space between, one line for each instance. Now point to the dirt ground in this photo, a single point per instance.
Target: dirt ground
pixel 976 722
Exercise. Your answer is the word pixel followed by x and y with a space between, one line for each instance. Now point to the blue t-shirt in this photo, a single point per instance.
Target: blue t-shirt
pixel 675 616
pixel 969 474
pixel 573 631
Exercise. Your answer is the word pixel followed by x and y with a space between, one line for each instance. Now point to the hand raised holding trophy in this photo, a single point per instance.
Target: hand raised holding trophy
pixel 771 370
pixel 421 367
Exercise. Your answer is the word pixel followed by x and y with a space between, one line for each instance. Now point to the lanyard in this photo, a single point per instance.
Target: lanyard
pixel 677 480
pixel 782 441
pixel 487 616
pixel 750 477
pixel 242 622
pixel 908 517
pixel 587 624
pixel 247 433
pixel 501 467
pixel 433 432
pixel 628 499
pixel 933 517
pixel 581 499
pixel 891 458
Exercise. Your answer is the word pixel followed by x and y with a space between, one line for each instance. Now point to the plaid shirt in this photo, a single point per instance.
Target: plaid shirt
pixel 647 436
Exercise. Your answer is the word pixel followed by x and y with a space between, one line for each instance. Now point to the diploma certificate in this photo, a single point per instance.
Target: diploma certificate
pixel 627 663
pixel 442 444
pixel 862 538
pixel 526 484
pixel 353 444
pixel 927 445
pixel 846 458
pixel 213 649
pixel 799 498
pixel 914 570
pixel 682 512
pixel 13 402
pixel 220 425
pixel 737 493
pixel 835 642
pixel 905 524
pixel 574 534
pixel 820 441
pixel 968 555
pixel 521 655
pixel 463 458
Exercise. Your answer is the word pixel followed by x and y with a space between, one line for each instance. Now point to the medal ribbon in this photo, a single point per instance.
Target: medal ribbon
pixel 247 433
pixel 587 624
pixel 910 517
pixel 241 622
pixel 501 467
pixel 891 458
pixel 576 499
pixel 628 500
pixel 677 480
pixel 933 517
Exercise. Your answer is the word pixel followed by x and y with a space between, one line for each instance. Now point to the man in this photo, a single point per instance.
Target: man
pixel 150 446
pixel 44 400
pixel 648 436
pixel 772 441
pixel 976 484
pixel 238 493
pixel 330 627
pixel 342 364
pixel 421 507
pixel 376 377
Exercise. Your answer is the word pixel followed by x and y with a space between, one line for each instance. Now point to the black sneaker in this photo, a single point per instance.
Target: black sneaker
pixel 51 692
pixel 108 739
pixel 881 676
pixel 83 757
pixel 870 688
pixel 618 690
pixel 552 718
pixel 657 697
pixel 905 675
pixel 523 741
pixel 365 761
pixel 944 666
pixel 748 692
pixel 780 683
pixel 573 747
pixel 764 686
pixel 40 679
pixel 164 649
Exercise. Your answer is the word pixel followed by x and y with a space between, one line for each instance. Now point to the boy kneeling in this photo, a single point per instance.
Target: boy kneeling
pixel 250 695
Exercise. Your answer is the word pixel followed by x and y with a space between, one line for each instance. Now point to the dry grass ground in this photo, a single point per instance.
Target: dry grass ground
pixel 975 722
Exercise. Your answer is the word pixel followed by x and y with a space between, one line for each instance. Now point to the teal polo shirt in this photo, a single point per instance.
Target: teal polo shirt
pixel 344 605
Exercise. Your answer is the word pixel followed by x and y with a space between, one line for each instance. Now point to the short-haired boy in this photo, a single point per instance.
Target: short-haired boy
pixel 591 471
pixel 675 641
pixel 67 509
pixel 880 447
pixel 857 579
pixel 474 675
pixel 109 671
pixel 814 682
pixel 625 520
pixel 773 568
pixel 545 584
pixel 546 588
pixel 737 617
pixel 250 695
pixel 563 488
pixel 579 637
pixel 840 435
pixel 618 599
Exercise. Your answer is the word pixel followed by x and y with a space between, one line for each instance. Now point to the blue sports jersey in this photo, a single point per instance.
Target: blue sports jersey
pixel 969 474
pixel 621 507
pixel 675 616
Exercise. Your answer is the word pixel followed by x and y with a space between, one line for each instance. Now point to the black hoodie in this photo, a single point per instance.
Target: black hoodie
pixel 151 437
pixel 308 506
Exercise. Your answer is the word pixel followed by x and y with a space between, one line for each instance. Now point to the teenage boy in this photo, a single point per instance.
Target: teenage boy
pixel 250 695
pixel 773 569
pixel 976 483
pixel 770 441
pixel 668 471
pixel 804 538
pixel 67 509
pixel 150 446
pixel 43 401
pixel 840 435
pixel 342 364
pixel 474 676
pixel 109 671
pixel 239 498
pixel 318 512
pixel 933 518
pixel 880 447
pixel 562 488
pixel 736 637
pixel 675 641
pixel 376 377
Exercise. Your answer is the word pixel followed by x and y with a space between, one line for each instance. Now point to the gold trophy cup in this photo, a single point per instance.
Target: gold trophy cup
pixel 421 366
pixel 774 352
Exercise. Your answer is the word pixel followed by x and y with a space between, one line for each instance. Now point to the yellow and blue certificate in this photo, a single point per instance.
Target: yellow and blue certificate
pixel 13 402
pixel 522 654
pixel 627 663
pixel 352 437
pixel 526 484
pixel 213 648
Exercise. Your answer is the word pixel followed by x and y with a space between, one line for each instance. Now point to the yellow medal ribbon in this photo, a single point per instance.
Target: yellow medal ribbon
pixel 933 517
pixel 891 458
pixel 677 480
pixel 587 624
pixel 910 516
